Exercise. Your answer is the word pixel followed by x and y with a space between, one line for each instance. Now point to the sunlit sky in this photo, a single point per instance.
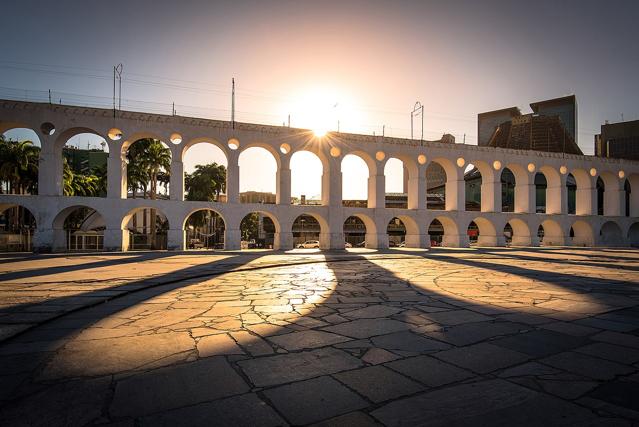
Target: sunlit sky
pixel 362 63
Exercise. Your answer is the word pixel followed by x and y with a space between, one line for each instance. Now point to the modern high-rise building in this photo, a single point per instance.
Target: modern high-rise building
pixel 618 140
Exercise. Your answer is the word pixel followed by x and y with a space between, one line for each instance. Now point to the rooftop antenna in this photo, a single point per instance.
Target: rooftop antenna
pixel 117 76
pixel 233 102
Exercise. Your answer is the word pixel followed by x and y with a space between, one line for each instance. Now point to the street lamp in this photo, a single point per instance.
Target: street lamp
pixel 417 109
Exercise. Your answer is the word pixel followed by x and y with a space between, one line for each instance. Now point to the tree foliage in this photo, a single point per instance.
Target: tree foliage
pixel 19 166
pixel 206 182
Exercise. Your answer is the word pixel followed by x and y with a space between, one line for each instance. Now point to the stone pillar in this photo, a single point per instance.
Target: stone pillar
pixel 283 241
pixel 613 200
pixel 417 192
pixel 488 240
pixel 332 188
pixel 43 241
pixel 334 240
pixel 376 241
pixel 455 195
pixel 176 239
pixel 50 178
pixel 233 181
pixel 490 196
pixel 405 183
pixel 550 240
pixel 586 201
pixel 525 198
pixel 377 191
pixel 59 240
pixel 524 241
pixel 116 239
pixel 455 240
pixel 232 239
pixel 116 176
pixel 283 186
pixel 417 241
pixel 176 188
pixel 557 197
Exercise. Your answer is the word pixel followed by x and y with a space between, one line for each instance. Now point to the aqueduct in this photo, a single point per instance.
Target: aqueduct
pixel 55 124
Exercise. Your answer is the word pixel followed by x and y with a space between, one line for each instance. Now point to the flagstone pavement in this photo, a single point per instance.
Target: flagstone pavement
pixel 358 338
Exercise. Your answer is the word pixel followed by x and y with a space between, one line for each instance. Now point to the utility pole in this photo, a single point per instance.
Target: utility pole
pixel 417 109
pixel 117 75
pixel 49 96
pixel 289 120
pixel 383 130
pixel 233 102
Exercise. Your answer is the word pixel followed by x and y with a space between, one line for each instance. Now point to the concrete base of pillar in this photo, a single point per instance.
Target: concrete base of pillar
pixel 43 241
pixel 455 241
pixel 176 240
pixel 417 241
pixel 332 241
pixel 491 241
pixel 376 241
pixel 283 241
pixel 524 241
pixel 232 240
pixel 553 241
pixel 116 240
pixel 582 241
pixel 59 243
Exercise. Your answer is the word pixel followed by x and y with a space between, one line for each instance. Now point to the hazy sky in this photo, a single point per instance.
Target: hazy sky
pixel 374 59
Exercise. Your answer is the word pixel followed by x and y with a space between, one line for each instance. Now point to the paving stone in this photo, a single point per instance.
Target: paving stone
pixel 365 328
pixel 375 356
pixel 253 344
pixel 353 419
pixel 570 328
pixel 587 366
pixel 245 410
pixel 408 341
pixel 618 338
pixel 176 386
pixel 475 332
pixel 378 383
pixel 619 392
pixel 610 325
pixel 113 355
pixel 307 339
pixel 284 368
pixel 373 311
pixel 314 400
pixel 540 343
pixel 612 352
pixel 492 402
pixel 457 317
pixel 216 345
pixel 482 358
pixel 429 371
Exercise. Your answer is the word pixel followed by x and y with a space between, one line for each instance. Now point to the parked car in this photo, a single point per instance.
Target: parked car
pixel 309 244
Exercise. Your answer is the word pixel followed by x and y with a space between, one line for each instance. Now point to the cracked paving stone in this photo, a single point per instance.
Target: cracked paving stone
pixel 284 368
pixel 176 386
pixel 307 340
pixel 378 383
pixel 217 345
pixel 408 341
pixel 373 311
pixel 612 352
pixel 588 366
pixel 457 317
pixel 492 402
pixel 482 358
pixel 314 400
pixel 472 333
pixel 366 328
pixel 429 371
pixel 246 410
pixel 540 343
pixel 375 356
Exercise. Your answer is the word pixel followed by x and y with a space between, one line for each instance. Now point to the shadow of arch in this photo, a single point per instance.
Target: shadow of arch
pixel 610 234
pixel 583 234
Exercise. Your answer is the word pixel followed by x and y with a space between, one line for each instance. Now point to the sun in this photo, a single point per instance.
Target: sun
pixel 319 132
pixel 323 110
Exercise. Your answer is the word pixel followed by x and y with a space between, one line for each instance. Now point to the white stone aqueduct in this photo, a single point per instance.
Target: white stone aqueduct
pixel 50 207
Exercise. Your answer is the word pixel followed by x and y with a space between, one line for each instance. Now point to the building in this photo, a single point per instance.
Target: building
pixel 551 127
pixel 618 140
pixel 257 197
pixel 85 161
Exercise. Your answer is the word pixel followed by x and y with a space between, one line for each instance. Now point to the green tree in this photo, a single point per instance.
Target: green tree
pixel 19 166
pixel 206 182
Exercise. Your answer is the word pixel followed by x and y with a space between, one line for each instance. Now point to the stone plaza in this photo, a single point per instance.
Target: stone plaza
pixel 490 336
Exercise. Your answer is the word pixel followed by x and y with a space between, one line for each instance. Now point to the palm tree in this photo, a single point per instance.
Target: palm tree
pixel 206 182
pixel 19 165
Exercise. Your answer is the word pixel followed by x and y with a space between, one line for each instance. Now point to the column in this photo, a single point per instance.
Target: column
pixel 232 239
pixel 376 241
pixel 417 192
pixel 43 241
pixel 455 195
pixel 332 188
pixel 613 198
pixel 283 241
pixel 116 239
pixel 488 240
pixel 233 181
pixel 116 176
pixel 455 240
pixel 50 178
pixel 417 241
pixel 557 197
pixel 490 196
pixel 377 191
pixel 283 186
pixel 525 198
pixel 586 200
pixel 176 188
pixel 176 239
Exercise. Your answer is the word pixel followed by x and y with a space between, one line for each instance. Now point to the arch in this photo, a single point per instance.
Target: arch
pixel 261 187
pixel 79 228
pixel 520 233
pixel 553 234
pixel 583 192
pixel 582 234
pixel 22 178
pixel 627 199
pixel 205 167
pixel 541 185
pixel 601 194
pixel 486 233
pixel 17 227
pixel 396 231
pixel 508 183
pixel 310 227
pixel 148 228
pixel 83 167
pixel 612 194
pixel 307 170
pixel 396 177
pixel 553 191
pixel 354 185
pixel 436 180
pixel 571 194
pixel 446 233
pixel 138 176
pixel 258 230
pixel 64 137
pixel 473 180
pixel 356 230
pixel 610 234
pixel 204 228
pixel 203 140
pixel 633 234
pixel 633 180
